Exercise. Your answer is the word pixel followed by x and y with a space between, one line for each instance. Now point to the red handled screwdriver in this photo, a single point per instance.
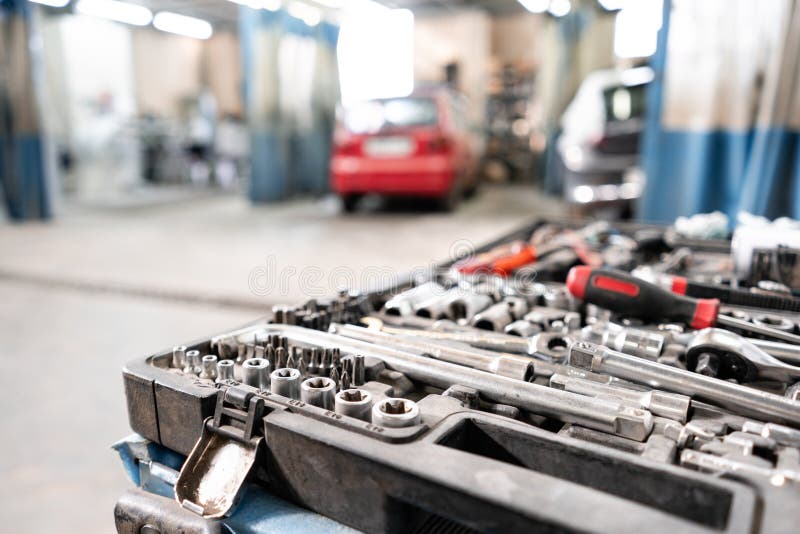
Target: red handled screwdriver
pixel 623 293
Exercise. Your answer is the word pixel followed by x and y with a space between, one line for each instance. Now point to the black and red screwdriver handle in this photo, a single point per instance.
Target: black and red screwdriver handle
pixel 627 295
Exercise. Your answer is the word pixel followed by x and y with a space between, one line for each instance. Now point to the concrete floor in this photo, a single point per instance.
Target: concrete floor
pixel 94 289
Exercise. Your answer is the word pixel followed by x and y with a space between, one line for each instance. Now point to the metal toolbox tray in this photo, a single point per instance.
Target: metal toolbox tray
pixel 491 444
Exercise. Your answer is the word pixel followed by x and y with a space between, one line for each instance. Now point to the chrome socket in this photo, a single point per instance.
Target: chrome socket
pixel 318 391
pixel 192 364
pixel 255 372
pixel 467 306
pixel 522 328
pixel 355 403
pixel 437 307
pixel 395 413
pixel 209 367
pixel 495 318
pixel 405 302
pixel 179 356
pixel 225 370
pixel 285 382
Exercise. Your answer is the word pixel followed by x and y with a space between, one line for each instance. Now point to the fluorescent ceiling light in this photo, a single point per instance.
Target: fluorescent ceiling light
pixel 559 8
pixel 51 3
pixel 115 10
pixel 269 5
pixel 333 4
pixel 613 5
pixel 307 13
pixel 182 25
pixel 535 6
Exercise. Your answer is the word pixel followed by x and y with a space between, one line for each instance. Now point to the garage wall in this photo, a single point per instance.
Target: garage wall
pixel 167 68
pixel 222 69
pixel 517 39
pixel 462 38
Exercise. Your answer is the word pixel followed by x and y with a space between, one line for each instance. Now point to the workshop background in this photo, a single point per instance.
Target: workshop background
pixel 159 158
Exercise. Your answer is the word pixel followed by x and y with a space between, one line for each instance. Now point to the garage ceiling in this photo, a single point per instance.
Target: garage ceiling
pixel 495 7
pixel 217 12
pixel 224 13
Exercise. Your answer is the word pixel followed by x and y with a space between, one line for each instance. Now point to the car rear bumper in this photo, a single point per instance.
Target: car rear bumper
pixel 421 176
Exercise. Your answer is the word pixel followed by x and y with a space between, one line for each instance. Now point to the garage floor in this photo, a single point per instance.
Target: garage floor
pixel 96 288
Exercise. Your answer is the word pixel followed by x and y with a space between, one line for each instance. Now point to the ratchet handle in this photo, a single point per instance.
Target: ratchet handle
pixel 627 295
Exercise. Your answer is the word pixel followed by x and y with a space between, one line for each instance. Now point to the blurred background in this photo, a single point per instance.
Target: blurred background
pixel 169 168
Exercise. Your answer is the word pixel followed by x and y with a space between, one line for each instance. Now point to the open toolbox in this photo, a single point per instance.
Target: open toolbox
pixel 537 384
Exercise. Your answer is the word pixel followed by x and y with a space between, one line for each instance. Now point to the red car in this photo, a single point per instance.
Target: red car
pixel 412 146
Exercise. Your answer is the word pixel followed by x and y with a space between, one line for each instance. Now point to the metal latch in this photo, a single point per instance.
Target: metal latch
pixel 212 476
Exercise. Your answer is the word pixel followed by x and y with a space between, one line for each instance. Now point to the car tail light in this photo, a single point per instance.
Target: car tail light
pixel 347 146
pixel 438 145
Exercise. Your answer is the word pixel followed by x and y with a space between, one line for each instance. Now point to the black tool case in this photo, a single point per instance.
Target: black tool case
pixel 461 469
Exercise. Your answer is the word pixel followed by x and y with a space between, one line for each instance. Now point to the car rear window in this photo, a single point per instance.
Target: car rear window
pixel 381 115
pixel 624 102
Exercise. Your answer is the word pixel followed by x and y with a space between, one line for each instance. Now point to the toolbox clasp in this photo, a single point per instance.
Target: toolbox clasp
pixel 212 476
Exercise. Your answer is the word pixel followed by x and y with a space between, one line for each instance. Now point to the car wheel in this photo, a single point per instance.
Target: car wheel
pixel 450 201
pixel 349 203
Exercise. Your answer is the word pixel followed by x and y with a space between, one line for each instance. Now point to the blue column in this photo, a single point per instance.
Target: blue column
pixel 23 171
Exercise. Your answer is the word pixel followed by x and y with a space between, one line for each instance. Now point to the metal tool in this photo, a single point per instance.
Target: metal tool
pixel 255 372
pixel 471 336
pixel 729 356
pixel 285 382
pixel 670 405
pixel 607 416
pixel 359 370
pixel 225 370
pixel 500 315
pixel 209 367
pixel 395 413
pixel 354 403
pixel 624 293
pixel 405 302
pixel 318 391
pixel 179 356
pixel 491 362
pixel 628 340
pixel 741 399
pixel 192 365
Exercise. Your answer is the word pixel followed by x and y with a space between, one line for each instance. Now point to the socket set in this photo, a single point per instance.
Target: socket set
pixel 566 377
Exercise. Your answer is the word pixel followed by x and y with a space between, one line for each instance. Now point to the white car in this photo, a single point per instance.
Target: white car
pixel 599 144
